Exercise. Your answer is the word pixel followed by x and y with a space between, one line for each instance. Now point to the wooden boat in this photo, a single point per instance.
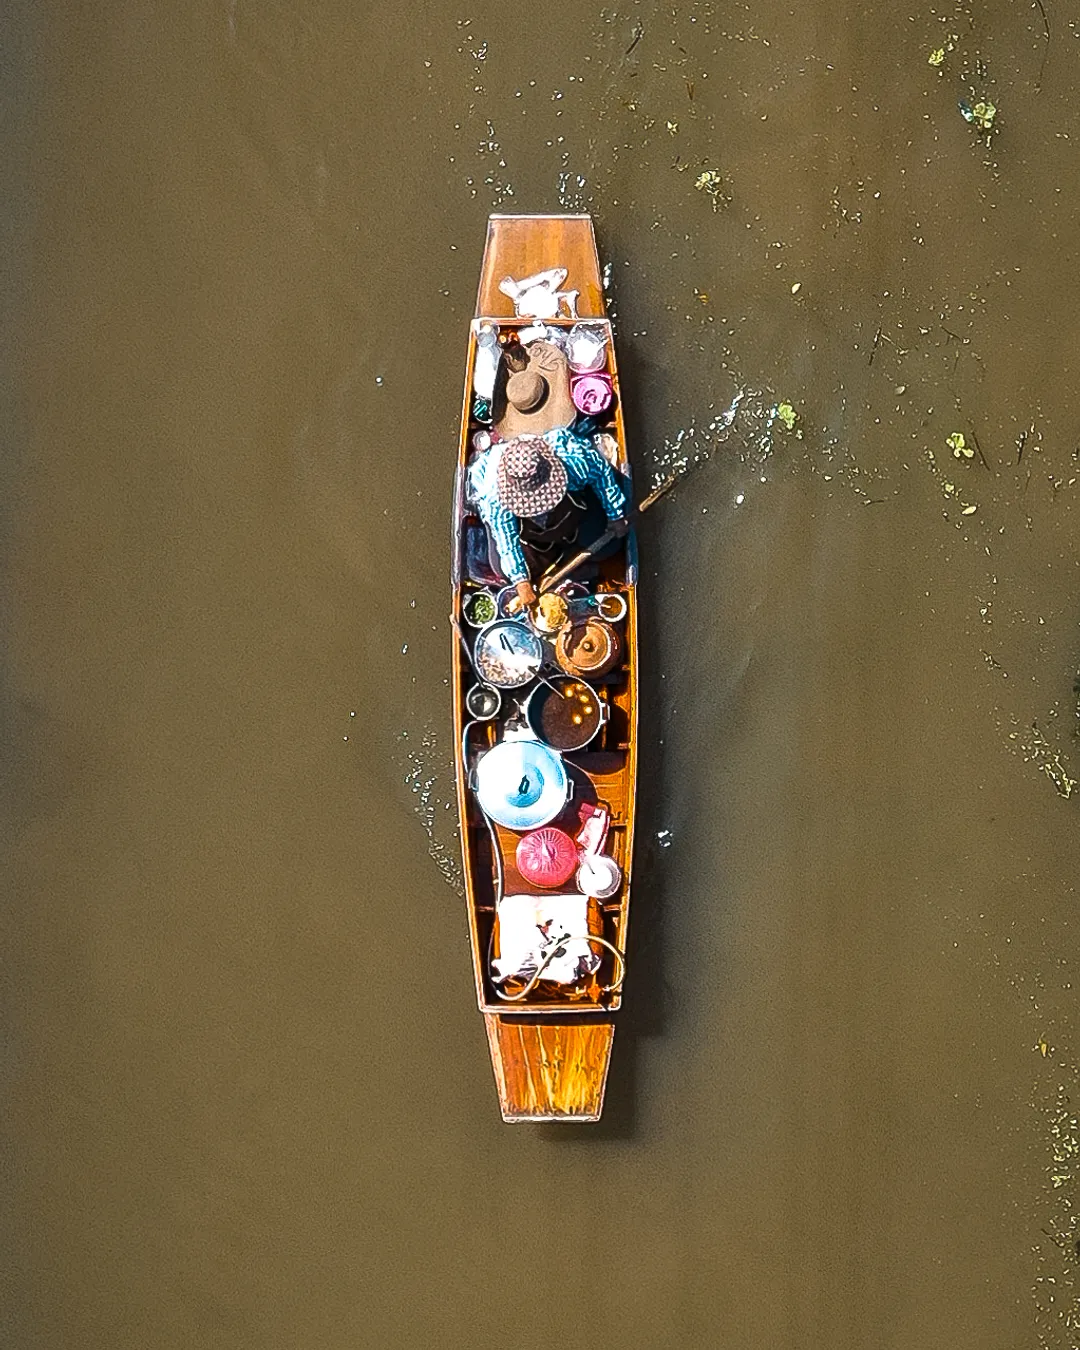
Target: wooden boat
pixel 550 1044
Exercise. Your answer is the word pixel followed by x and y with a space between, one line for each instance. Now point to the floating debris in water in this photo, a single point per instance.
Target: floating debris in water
pixel 711 182
pixel 1056 1298
pixel 1057 774
pixel 663 838
pixel 959 446
pixel 1041 752
pixel 937 56
pixel 796 288
pixel 786 413
pixel 981 114
pixel 673 127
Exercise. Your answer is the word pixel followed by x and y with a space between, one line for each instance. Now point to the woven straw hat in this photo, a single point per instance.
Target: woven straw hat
pixel 533 408
pixel 526 390
pixel 531 478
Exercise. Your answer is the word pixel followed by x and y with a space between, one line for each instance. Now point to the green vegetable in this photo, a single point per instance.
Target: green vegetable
pixel 481 608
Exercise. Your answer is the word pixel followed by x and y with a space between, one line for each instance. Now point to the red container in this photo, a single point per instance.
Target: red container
pixel 547 857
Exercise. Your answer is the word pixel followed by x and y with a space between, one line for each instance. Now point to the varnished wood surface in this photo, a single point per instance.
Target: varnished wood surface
pixel 549 1071
pixel 520 246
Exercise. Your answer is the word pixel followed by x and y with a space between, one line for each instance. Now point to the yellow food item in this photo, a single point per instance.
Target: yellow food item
pixel 552 612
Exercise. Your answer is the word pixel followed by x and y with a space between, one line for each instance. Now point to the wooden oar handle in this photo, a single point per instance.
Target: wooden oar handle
pixel 561 573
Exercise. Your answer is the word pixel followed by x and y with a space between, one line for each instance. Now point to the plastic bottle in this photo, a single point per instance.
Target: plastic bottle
pixel 487 361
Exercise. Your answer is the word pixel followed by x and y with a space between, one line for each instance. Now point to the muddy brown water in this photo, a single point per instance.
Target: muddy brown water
pixel 248 1101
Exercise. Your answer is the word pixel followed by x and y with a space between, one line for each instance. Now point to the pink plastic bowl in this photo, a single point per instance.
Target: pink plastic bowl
pixel 592 394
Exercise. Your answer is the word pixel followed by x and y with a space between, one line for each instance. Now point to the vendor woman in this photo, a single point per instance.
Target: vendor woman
pixel 521 486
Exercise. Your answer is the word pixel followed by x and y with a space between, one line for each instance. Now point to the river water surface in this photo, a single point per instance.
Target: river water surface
pixel 248 1101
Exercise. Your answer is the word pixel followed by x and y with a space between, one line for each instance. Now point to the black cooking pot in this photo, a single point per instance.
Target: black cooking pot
pixel 566 723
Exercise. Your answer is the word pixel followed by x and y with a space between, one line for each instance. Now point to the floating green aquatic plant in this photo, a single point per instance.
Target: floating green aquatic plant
pixel 980 115
pixel 786 413
pixel 937 56
pixel 959 446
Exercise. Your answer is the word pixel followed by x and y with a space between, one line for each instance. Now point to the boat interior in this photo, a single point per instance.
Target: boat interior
pixel 600 774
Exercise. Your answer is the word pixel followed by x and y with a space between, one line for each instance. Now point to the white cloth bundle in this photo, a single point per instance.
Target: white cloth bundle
pixel 531 926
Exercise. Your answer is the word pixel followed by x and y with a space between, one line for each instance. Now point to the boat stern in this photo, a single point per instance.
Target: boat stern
pixel 548 1070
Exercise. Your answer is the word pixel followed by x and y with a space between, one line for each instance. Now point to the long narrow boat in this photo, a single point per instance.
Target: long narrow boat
pixel 549 1028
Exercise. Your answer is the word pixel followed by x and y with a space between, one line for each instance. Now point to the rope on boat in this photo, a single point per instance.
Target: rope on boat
pixel 552 952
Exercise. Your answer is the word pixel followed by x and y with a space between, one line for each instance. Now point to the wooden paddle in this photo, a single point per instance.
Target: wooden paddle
pixel 561 573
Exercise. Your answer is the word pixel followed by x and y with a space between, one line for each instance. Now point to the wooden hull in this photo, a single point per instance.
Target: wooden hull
pixel 549 1070
pixel 550 1052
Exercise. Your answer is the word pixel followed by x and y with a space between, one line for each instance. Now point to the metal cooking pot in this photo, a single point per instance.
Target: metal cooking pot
pixel 507 654
pixel 483 702
pixel 522 784
pixel 568 723
pixel 588 649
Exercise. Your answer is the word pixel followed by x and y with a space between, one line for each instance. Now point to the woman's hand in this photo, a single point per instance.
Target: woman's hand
pixel 526 596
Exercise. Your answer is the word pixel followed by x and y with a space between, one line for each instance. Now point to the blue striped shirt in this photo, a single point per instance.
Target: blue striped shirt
pixel 585 467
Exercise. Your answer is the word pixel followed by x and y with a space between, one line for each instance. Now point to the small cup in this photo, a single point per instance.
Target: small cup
pixel 502 604
pixel 480 608
pixel 599 876
pixel 483 702
pixel 612 606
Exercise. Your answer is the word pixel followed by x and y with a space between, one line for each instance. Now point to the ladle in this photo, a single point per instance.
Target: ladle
pixel 553 687
pixel 472 663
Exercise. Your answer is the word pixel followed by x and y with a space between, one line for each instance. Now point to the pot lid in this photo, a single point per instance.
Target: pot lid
pixel 585 647
pixel 547 857
pixel 521 784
